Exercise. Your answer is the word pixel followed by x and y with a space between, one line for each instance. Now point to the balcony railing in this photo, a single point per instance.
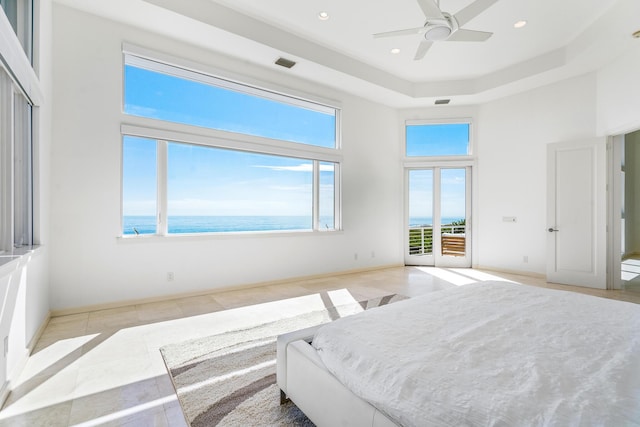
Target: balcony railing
pixel 453 240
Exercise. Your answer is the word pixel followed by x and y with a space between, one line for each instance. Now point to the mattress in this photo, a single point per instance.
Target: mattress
pixel 492 354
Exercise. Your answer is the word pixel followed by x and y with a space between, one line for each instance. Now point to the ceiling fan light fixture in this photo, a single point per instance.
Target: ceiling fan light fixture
pixel 437 32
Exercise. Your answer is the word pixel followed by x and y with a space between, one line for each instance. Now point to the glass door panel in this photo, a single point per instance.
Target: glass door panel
pixel 438 211
pixel 453 212
pixel 421 213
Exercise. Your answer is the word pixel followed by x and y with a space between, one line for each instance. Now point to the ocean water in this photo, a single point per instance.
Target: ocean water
pixel 217 224
pixel 428 221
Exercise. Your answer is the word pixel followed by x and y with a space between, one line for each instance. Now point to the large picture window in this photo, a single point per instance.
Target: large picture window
pixel 224 157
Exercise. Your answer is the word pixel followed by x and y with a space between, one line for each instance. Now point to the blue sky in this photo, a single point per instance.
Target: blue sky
pixel 421 199
pixel 437 139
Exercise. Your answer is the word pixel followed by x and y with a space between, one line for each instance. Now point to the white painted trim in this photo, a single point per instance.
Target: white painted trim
pixel 162 199
pixel 15 61
pixel 158 129
pixel 614 208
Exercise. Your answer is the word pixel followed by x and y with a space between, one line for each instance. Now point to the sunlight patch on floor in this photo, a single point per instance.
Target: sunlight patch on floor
pixel 448 275
pixel 115 416
pixel 45 358
pixel 630 269
pixel 478 275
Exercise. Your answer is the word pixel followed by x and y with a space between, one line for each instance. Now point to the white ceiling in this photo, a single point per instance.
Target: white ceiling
pixel 562 38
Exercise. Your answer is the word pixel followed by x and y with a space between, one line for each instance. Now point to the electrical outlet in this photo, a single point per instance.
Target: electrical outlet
pixel 170 276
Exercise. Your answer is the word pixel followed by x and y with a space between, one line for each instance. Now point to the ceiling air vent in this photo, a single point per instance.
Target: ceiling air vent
pixel 286 63
pixel 442 101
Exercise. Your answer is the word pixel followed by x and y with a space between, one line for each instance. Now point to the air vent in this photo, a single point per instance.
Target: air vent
pixel 442 101
pixel 286 63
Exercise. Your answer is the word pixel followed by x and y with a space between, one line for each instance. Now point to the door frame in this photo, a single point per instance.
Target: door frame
pixel 615 195
pixel 434 259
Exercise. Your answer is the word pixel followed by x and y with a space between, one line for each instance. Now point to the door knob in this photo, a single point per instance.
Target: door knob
pixel 551 230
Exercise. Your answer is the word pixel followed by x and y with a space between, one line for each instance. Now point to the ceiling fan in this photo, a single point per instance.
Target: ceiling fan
pixel 442 26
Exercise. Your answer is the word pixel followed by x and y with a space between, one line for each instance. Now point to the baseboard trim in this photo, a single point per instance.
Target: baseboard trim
pixel 128 303
pixel 508 271
pixel 36 337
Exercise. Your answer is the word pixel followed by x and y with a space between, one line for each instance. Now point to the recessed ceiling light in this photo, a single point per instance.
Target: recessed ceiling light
pixel 395 51
pixel 323 16
pixel 520 24
pixel 636 34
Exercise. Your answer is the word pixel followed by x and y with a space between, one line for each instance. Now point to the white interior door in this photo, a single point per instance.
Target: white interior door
pixel 438 217
pixel 576 213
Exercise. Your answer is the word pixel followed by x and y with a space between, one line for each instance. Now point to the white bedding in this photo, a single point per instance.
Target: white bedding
pixel 492 354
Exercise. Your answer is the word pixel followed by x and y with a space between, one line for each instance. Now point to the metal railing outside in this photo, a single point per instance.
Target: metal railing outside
pixel 421 237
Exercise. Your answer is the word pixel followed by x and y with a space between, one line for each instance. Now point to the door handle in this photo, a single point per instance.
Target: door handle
pixel 551 229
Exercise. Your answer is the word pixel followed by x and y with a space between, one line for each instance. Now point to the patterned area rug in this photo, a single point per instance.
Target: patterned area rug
pixel 230 379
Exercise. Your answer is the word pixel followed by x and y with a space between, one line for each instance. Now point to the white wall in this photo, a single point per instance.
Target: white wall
pixel 90 265
pixel 513 137
pixel 618 95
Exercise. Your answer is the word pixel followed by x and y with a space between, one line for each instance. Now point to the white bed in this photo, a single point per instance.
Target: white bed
pixel 486 354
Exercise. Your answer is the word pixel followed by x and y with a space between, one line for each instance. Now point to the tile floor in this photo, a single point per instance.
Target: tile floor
pixel 104 367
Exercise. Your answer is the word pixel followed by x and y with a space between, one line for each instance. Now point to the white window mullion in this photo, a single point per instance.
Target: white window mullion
pixel 337 197
pixel 316 195
pixel 162 203
pixel 6 162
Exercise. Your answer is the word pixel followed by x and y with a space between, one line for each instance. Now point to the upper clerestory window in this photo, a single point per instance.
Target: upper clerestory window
pixel 168 93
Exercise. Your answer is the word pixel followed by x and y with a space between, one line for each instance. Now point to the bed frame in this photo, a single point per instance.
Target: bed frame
pixel 303 378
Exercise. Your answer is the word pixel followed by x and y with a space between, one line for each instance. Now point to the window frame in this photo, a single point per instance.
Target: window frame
pixel 165 131
pixel 20 96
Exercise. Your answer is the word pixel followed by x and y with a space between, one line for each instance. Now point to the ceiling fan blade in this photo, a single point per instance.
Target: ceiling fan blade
pixel 463 35
pixel 430 9
pixel 408 31
pixel 423 47
pixel 473 10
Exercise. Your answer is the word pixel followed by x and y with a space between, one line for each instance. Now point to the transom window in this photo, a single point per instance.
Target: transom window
pixel 222 156
pixel 164 92
pixel 433 139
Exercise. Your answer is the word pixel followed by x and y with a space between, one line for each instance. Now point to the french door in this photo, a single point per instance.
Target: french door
pixel 438 212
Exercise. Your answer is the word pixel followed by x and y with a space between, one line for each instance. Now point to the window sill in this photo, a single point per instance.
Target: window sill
pixel 7 258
